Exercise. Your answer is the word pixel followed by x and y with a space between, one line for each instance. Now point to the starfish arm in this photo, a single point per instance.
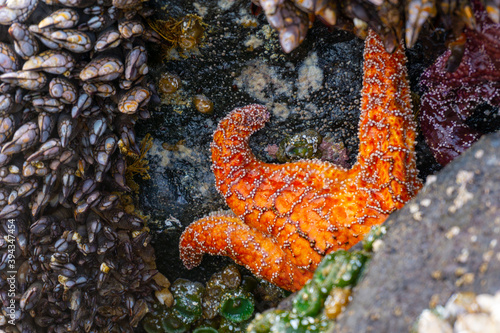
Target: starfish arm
pixel 227 235
pixel 387 129
pixel 240 176
pixel 276 199
pixel 231 154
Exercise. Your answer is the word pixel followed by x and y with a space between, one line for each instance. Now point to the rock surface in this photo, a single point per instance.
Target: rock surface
pixel 443 241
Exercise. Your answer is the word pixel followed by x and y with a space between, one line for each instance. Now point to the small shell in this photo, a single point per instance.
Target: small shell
pixel 83 102
pixel 96 129
pixel 6 105
pixel 25 43
pixel 68 182
pixel 131 28
pixel 25 79
pixel 7 126
pixel 102 154
pixel 4 159
pixel 51 61
pixel 10 176
pixel 94 10
pixel 7 15
pixel 70 39
pixel 11 211
pixel 47 104
pixel 127 143
pixel 135 63
pixel 327 11
pixel 48 150
pixel 102 69
pixel 63 90
pixel 96 23
pixel 102 89
pixel 73 40
pixel 493 10
pixel 8 59
pixel 152 36
pixel 39 33
pixel 25 137
pixel 134 99
pixel 46 123
pixel 108 39
pixel 62 19
pixel 16 10
pixel 417 13
pixel 113 13
pixel 65 129
pixel 24 190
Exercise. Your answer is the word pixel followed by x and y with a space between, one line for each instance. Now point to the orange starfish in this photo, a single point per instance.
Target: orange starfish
pixel 288 216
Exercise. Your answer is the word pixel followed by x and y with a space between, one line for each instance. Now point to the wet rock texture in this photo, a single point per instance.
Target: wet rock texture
pixel 443 241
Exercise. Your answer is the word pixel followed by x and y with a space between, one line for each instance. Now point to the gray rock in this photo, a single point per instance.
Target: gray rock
pixel 443 241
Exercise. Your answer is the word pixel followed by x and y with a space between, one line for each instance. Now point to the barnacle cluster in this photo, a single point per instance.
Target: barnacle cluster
pixel 72 86
pixel 225 304
pixel 78 276
pixel 463 312
pixel 391 19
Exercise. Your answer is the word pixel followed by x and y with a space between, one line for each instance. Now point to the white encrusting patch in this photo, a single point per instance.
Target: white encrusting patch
pixel 263 82
pixel 463 196
pixel 310 76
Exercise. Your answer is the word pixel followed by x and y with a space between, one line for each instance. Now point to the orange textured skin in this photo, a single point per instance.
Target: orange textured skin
pixel 288 216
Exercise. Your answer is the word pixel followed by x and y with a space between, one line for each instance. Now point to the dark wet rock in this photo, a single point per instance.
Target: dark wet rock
pixel 443 241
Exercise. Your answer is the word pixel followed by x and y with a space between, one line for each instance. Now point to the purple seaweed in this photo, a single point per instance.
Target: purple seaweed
pixel 451 97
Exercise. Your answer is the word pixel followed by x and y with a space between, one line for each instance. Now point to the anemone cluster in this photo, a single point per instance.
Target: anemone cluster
pixel 301 145
pixel 391 19
pixel 332 280
pixel 72 85
pixel 225 304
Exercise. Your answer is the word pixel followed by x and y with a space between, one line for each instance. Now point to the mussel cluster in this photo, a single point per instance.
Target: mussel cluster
pixel 391 19
pixel 72 85
pixel 73 276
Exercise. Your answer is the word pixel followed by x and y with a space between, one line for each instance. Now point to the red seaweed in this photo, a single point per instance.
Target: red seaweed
pixel 452 97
